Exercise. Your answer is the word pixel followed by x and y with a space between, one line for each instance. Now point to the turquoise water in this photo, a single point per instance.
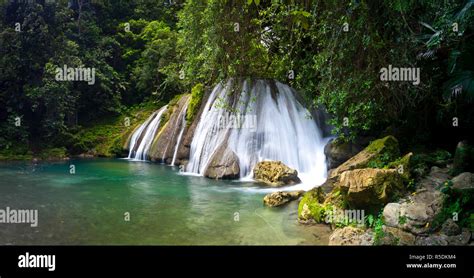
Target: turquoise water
pixel 165 207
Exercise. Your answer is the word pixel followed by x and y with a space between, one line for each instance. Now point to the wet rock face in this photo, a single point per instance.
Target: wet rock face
pixel 224 164
pixel 275 173
pixel 280 198
pixel 167 138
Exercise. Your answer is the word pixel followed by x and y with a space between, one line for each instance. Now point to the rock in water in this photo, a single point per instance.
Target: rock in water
pixel 310 207
pixel 279 198
pixel 224 164
pixel 275 173
pixel 367 188
pixel 379 151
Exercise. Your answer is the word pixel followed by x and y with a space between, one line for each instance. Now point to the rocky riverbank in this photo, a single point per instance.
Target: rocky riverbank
pixel 380 197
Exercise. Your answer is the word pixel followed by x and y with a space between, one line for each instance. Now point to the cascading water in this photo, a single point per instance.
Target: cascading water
pixel 182 116
pixel 142 138
pixel 263 122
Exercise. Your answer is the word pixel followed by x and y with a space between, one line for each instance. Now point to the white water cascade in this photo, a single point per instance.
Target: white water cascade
pixel 271 125
pixel 142 138
pixel 182 116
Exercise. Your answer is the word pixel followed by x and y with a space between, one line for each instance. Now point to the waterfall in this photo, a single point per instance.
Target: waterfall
pixel 182 115
pixel 142 138
pixel 264 121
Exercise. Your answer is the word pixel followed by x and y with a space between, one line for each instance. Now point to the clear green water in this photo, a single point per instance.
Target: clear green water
pixel 165 208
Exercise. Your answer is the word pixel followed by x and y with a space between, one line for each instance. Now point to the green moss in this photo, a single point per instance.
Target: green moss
pixel 463 159
pixel 106 138
pixel 388 144
pixel 403 166
pixel 20 152
pixel 312 200
pixel 458 203
pixel 386 150
pixel 379 234
pixel 53 154
pixel 471 222
pixel 171 106
pixel 402 219
pixel 197 93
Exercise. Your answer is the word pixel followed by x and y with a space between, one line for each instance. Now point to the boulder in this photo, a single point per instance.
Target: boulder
pixel 463 158
pixel 435 178
pixel 403 166
pixel 280 198
pixel 378 152
pixel 416 214
pixel 461 239
pixel 224 164
pixel 443 240
pixel 391 214
pixel 395 236
pixel 351 236
pixel 464 182
pixel 450 228
pixel 432 240
pixel 275 173
pixel 338 152
pixel 327 186
pixel 370 188
pixel 310 207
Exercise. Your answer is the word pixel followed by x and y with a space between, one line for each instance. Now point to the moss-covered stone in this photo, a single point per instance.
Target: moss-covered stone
pixel 110 136
pixel 377 155
pixel 385 150
pixel 311 207
pixel 197 93
pixel 471 222
pixel 403 166
pixel 463 158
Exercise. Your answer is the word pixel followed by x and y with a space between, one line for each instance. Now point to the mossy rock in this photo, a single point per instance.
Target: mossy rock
pixel 311 207
pixel 471 222
pixel 403 166
pixel 463 158
pixel 377 155
pixel 197 93
pixel 53 154
pixel 385 149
